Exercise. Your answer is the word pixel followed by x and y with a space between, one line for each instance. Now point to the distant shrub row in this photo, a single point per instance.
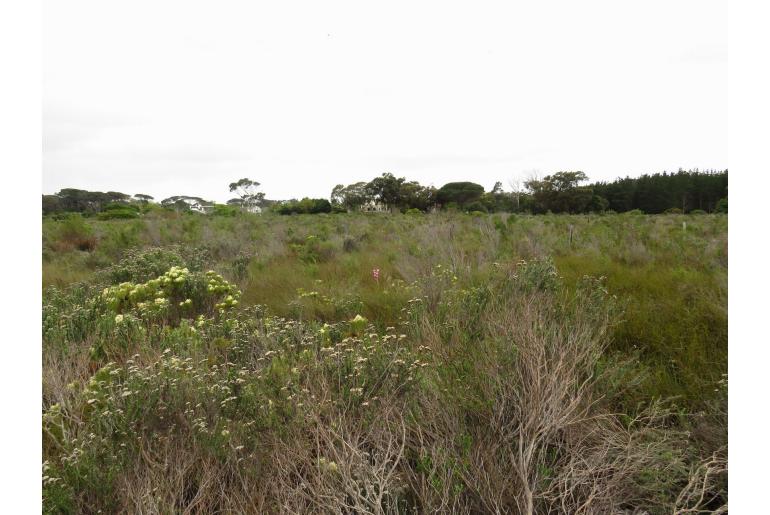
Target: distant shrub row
pixel 305 206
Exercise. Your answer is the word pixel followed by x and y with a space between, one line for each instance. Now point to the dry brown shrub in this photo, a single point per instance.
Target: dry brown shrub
pixel 703 492
pixel 172 476
pixel 346 464
pixel 545 442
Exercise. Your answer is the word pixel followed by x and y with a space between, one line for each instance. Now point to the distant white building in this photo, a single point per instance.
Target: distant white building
pixel 374 207
pixel 197 206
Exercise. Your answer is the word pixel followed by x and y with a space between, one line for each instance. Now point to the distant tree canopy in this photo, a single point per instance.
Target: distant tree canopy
pixel 246 189
pixel 350 197
pixel 141 197
pixel 305 206
pixel 390 191
pixel 683 191
pixel 81 201
pixel 386 189
pixel 499 200
pixel 51 204
pixel 686 190
pixel 561 192
pixel 415 196
pixel 460 193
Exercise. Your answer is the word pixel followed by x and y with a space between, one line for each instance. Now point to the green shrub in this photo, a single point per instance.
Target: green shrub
pixel 224 210
pixel 314 250
pixel 240 266
pixel 140 265
pixel 75 233
pixel 116 211
pixel 116 214
pixel 116 206
pixel 451 206
pixel 476 206
pixel 350 244
pixel 538 275
pixel 305 206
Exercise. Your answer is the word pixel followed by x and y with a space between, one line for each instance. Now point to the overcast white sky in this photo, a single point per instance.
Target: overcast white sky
pixel 184 97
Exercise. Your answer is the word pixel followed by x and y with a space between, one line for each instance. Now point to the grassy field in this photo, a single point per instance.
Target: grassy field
pixel 497 363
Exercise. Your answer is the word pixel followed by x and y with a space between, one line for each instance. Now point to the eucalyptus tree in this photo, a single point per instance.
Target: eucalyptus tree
pixel 144 199
pixel 246 189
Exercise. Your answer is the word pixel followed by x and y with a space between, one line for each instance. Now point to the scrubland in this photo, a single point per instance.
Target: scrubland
pixel 495 364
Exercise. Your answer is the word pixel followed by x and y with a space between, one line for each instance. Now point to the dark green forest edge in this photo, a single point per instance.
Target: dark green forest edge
pixel 464 352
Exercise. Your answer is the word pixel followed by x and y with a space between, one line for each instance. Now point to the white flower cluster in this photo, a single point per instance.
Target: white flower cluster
pixel 327 465
pixel 155 297
pixel 217 284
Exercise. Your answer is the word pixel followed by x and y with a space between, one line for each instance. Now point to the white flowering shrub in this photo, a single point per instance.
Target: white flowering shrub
pixel 123 316
pixel 220 389
pixel 174 295
pixel 137 312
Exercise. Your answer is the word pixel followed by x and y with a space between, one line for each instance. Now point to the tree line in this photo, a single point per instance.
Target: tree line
pixel 685 191
pixel 114 204
pixel 561 192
